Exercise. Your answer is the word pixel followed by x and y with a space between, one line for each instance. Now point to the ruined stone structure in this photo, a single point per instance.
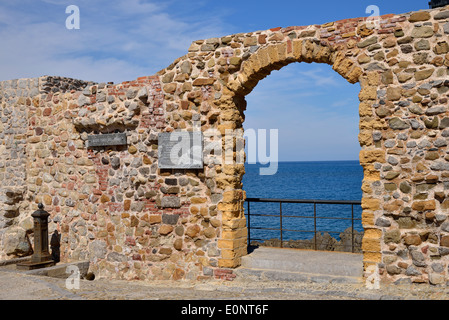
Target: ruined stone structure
pixel 133 220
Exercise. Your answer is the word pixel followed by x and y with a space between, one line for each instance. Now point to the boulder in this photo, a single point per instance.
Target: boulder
pixel 16 242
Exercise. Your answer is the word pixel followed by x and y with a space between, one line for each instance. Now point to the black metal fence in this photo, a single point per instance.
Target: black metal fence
pixel 315 217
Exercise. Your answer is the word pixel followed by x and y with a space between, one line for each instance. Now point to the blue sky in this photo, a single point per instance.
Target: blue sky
pixel 314 109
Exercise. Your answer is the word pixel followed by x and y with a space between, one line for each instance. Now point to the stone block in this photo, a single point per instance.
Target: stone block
pixel 171 219
pixel 170 202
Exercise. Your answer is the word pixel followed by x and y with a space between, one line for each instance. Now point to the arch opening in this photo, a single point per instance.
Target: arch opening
pixel 303 103
pixel 257 67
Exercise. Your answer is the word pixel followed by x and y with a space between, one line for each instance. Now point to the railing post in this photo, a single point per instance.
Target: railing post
pixel 352 228
pixel 314 225
pixel 280 209
pixel 249 226
pixel 314 217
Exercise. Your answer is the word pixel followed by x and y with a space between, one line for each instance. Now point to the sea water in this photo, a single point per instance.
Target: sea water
pixel 322 180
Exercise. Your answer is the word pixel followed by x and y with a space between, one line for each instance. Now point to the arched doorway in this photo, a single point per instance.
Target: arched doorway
pixel 313 113
pixel 260 64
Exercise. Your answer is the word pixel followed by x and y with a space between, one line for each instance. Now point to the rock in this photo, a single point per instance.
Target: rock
pixel 168 77
pixel 444 241
pixel 436 278
pixel 444 123
pixel 170 202
pixel 419 16
pixel 178 244
pixel 98 249
pixel 420 58
pixel 422 32
pixel 431 123
pixel 367 42
pixel 383 222
pixel 436 110
pixel 446 28
pixel 115 162
pixel 393 270
pixel 441 48
pixel 412 240
pixel 441 15
pixel 83 100
pixel 375 66
pixel 203 82
pixel 424 74
pixel 142 94
pixel 383 112
pixel 16 242
pixel 27 224
pixel 392 236
pixel 439 166
pixel 404 77
pixel 406 49
pixel 390 187
pixel 392 175
pixel 405 187
pixel 170 88
pixel 406 223
pixel 424 205
pixel 209 46
pixel 137 206
pixel 132 149
pixel 116 257
pixel 422 45
pixel 363 58
pixel 418 258
pixel 193 231
pixel 165 229
pixel 437 267
pixel 414 108
pixel 440 142
pixel 171 219
pixel 210 232
pixel 171 181
pixel 186 67
pixel 412 271
pixel 394 94
pixel 405 40
pixel 398 124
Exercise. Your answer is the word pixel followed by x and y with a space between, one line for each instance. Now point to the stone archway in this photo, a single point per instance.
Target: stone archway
pixel 272 57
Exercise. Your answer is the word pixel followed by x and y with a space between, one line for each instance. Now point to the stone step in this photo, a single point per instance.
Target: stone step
pixel 280 275
pixel 305 261
pixel 61 270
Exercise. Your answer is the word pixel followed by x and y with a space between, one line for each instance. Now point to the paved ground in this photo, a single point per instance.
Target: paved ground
pixel 16 286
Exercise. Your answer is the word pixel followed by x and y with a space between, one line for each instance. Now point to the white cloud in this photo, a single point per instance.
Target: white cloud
pixel 117 41
pixel 138 7
pixel 317 118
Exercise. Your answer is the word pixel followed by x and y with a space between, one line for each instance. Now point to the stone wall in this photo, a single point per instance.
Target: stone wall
pixel 15 98
pixel 133 220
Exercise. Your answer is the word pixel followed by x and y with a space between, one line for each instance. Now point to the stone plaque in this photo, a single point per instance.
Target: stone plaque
pixel 111 139
pixel 180 150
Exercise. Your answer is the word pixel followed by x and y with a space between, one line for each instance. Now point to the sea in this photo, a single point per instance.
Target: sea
pixel 318 180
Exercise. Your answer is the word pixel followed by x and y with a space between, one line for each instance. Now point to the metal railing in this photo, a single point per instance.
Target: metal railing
pixel 314 217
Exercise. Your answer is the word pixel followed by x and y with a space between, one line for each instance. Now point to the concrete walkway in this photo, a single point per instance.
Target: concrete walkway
pixel 283 284
pixel 18 286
